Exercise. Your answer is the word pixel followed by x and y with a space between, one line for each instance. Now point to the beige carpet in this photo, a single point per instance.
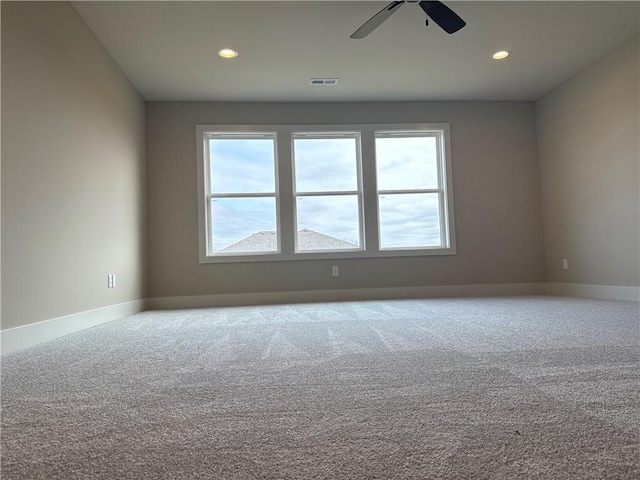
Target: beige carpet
pixel 489 388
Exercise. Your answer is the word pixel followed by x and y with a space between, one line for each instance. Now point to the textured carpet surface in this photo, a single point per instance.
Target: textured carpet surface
pixel 486 388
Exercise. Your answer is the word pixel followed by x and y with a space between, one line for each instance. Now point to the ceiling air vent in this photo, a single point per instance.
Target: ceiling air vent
pixel 324 81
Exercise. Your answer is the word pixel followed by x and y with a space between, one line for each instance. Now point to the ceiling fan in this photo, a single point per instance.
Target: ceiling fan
pixel 442 15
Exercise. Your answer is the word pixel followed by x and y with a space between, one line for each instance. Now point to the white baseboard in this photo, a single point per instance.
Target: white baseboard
pixel 14 339
pixel 606 292
pixel 238 299
pixel 18 338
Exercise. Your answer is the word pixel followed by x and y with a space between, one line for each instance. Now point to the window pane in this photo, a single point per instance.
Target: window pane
pixel 325 164
pixel 243 225
pixel 328 223
pixel 242 165
pixel 406 163
pixel 409 220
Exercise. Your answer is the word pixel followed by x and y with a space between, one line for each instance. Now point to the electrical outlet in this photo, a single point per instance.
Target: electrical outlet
pixel 335 271
pixel 565 264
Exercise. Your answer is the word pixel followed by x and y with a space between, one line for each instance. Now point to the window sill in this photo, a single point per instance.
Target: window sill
pixel 282 257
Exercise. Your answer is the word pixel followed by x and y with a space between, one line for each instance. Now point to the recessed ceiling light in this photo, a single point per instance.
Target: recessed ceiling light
pixel 500 55
pixel 227 53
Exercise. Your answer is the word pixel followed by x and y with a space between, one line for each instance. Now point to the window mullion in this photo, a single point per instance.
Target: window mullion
pixel 285 200
pixel 441 200
pixel 243 195
pixel 369 192
pixel 443 222
pixel 409 191
pixel 326 194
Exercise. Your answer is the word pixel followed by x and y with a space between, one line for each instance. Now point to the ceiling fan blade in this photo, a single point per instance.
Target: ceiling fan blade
pixel 375 21
pixel 446 18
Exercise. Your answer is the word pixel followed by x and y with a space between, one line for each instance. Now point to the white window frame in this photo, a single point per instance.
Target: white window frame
pixel 286 197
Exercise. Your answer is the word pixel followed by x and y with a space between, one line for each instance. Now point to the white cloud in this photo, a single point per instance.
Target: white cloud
pixel 409 220
pixel 336 216
pixel 242 165
pixel 238 218
pixel 327 164
pixel 406 163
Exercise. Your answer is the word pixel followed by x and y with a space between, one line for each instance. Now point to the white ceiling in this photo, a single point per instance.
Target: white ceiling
pixel 168 49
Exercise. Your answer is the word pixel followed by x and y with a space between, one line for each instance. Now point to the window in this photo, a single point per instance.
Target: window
pixel 410 190
pixel 327 192
pixel 300 192
pixel 241 194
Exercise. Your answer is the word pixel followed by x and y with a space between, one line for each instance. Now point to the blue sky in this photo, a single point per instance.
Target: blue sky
pixel 322 165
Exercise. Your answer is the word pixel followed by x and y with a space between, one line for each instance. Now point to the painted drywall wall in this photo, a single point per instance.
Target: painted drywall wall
pixel 73 164
pixel 589 147
pixel 496 197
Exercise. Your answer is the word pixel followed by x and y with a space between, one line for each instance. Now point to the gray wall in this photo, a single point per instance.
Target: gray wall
pixel 589 147
pixel 496 196
pixel 73 168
